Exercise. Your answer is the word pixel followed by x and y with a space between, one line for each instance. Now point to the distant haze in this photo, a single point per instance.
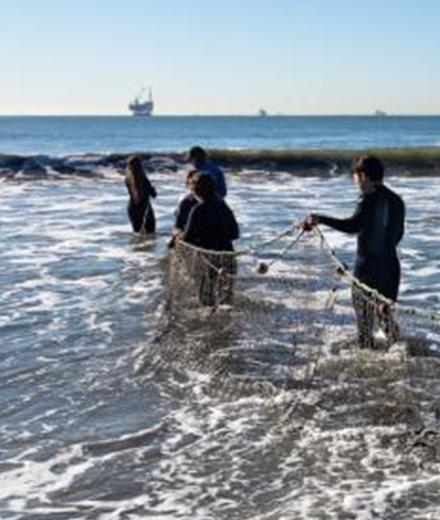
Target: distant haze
pixel 220 56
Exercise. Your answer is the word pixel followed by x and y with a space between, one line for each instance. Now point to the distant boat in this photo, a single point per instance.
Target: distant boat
pixel 380 113
pixel 262 112
pixel 140 106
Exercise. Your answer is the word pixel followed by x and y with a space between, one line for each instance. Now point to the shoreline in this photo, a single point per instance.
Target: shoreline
pixel 410 162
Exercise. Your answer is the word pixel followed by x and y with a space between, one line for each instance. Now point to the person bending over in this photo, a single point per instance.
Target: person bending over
pixel 198 159
pixel 212 226
pixel 378 222
pixel 140 210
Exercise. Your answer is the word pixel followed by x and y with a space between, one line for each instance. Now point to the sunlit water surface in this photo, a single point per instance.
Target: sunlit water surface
pixel 85 434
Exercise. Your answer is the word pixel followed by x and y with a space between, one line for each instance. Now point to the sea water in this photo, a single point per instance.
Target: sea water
pixel 71 135
pixel 85 434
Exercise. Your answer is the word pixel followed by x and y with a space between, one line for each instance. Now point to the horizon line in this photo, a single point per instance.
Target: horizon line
pixel 251 115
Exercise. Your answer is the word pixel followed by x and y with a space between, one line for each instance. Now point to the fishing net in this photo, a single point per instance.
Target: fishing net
pixel 242 318
pixel 281 317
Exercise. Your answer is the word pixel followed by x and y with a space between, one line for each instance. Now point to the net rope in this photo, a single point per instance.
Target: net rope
pixel 279 320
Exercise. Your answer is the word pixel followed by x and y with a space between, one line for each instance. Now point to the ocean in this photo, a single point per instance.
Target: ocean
pixel 79 135
pixel 105 415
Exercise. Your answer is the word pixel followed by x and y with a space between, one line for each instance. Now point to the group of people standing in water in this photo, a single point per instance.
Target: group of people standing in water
pixel 205 220
pixel 202 217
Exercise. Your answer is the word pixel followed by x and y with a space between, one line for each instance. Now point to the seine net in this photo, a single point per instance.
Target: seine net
pixel 282 318
pixel 244 318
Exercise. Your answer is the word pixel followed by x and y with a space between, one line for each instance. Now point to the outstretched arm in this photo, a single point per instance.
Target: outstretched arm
pixel 353 224
pixel 346 225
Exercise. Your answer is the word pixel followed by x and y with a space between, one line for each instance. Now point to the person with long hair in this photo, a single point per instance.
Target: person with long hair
pixel 140 189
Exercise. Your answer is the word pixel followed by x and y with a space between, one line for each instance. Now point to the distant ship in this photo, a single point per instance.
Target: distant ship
pixel 141 107
pixel 380 113
pixel 262 112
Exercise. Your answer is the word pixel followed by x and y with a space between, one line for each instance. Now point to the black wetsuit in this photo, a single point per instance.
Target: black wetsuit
pixel 379 224
pixel 141 214
pixel 184 209
pixel 211 225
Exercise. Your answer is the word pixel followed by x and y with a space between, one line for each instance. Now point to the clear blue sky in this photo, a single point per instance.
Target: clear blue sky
pixel 220 56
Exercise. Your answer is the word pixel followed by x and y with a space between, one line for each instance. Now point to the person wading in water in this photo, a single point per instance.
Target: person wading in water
pixel 199 160
pixel 378 222
pixel 140 210
pixel 211 225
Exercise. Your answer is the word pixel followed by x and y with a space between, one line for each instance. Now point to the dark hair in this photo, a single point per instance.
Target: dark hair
pixel 205 187
pixel 371 166
pixel 135 178
pixel 197 154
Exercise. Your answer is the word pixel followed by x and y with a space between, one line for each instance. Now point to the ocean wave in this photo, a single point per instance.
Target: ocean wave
pixel 326 163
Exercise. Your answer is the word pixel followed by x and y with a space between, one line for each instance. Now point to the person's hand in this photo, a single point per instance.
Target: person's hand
pixel 310 222
pixel 175 237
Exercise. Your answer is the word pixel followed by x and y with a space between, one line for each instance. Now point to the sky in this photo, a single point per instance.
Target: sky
pixel 293 57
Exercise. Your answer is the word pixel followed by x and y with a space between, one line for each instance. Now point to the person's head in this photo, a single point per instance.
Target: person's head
pixel 205 187
pixel 191 179
pixel 367 170
pixel 197 156
pixel 135 177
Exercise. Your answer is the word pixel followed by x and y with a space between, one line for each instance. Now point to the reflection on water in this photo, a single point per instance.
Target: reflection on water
pixel 104 416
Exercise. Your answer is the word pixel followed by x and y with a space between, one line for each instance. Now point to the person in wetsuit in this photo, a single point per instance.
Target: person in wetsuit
pixel 378 222
pixel 212 226
pixel 184 207
pixel 140 210
pixel 198 159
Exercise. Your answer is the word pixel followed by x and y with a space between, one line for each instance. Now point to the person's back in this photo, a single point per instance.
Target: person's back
pixel 212 225
pixel 382 223
pixel 218 176
pixel 198 158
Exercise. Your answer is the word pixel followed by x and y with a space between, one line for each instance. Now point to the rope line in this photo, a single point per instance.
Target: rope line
pixel 413 311
pixel 246 251
pixel 372 293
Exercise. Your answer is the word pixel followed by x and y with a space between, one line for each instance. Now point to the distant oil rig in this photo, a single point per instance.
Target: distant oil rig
pixel 140 106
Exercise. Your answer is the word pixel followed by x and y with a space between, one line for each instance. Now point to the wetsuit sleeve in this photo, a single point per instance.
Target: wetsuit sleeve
pixel 192 227
pixel 150 189
pixel 354 224
pixel 221 183
pixel 182 213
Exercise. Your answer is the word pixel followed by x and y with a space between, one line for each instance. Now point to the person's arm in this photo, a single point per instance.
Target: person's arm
pixel 233 226
pixel 353 224
pixel 402 222
pixel 191 233
pixel 150 189
pixel 221 183
pixel 182 213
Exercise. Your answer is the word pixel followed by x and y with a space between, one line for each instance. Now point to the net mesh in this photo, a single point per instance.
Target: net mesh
pixel 283 318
